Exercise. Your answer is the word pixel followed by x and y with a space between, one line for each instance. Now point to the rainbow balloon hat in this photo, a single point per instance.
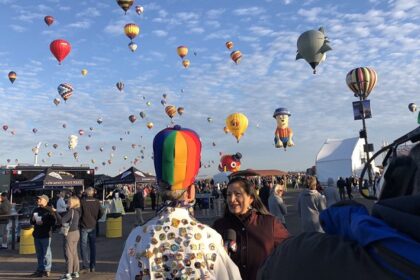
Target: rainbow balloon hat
pixel 177 154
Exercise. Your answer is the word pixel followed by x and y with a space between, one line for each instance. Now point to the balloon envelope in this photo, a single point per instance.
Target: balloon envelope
pixel 139 9
pixel 236 56
pixel 65 90
pixel 125 4
pixel 182 51
pixel 12 76
pixel 171 111
pixel 229 45
pixel 237 123
pixel 361 81
pixel 49 20
pixel 131 30
pixel 60 49
pixel 412 107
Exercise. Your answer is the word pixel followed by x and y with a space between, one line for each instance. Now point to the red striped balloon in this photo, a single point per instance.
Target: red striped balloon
pixel 361 81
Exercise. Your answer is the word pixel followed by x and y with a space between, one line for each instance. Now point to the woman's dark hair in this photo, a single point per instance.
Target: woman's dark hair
pixel 249 189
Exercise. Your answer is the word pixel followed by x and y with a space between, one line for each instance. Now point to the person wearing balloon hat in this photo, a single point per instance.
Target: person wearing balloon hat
pixel 283 134
pixel 173 245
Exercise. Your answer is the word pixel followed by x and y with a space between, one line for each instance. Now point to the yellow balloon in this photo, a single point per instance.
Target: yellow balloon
pixel 131 30
pixel 237 123
pixel 84 72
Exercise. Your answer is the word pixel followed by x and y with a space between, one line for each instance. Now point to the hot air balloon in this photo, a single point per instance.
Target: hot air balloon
pixel 283 135
pixel 231 163
pixel 213 144
pixel 163 102
pixel 91 128
pixel 139 10
pixel 170 111
pixel 120 86
pixel 75 155
pixel 12 76
pixel 73 140
pixel 5 127
pixel 56 101
pixel 186 63
pixel 125 4
pixel 133 146
pixel 34 130
pixel 236 56
pixel 49 154
pixel 92 161
pixel 226 130
pixel 49 20
pixel 209 119
pixel 101 149
pixel 65 91
pixel 103 163
pixel 121 138
pixel 142 114
pixel 361 81
pixel 132 46
pixel 229 45
pixel 149 125
pixel 114 148
pixel 132 118
pixel 99 120
pixel 180 110
pixel 81 132
pixel 84 72
pixel 125 157
pixel 60 49
pixel 13 132
pixel 412 107
pixel 312 46
pixel 64 125
pixel 131 30
pixel 164 95
pixel 148 103
pixel 237 123
pixel 55 146
pixel 182 51
pixel 87 147
pixel 109 161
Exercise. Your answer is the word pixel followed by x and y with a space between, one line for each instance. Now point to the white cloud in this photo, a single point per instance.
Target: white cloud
pixel 252 11
pixel 17 28
pixel 215 13
pixel 311 15
pixel 115 28
pixel 160 33
pixel 197 30
pixel 89 12
pixel 84 24
pixel 261 31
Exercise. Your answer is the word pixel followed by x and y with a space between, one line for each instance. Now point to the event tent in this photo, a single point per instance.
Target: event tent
pixel 340 157
pixel 50 179
pixel 130 176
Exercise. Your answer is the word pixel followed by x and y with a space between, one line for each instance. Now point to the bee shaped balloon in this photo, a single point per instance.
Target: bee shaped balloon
pixel 237 124
pixel 283 134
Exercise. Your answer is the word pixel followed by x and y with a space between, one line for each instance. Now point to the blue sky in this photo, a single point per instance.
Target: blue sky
pixel 383 35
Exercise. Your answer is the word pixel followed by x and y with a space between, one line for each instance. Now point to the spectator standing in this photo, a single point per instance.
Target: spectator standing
pixel 61 207
pixel 91 213
pixel 341 184
pixel 310 204
pixel 5 208
pixel 348 188
pixel 43 219
pixel 138 204
pixel 264 193
pixel 331 193
pixel 153 197
pixel 275 202
pixel 72 217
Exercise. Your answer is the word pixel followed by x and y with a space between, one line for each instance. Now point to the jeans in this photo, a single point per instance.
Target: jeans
pixel 43 253
pixel 88 235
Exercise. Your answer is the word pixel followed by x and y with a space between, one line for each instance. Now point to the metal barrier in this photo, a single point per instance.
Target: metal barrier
pixel 207 206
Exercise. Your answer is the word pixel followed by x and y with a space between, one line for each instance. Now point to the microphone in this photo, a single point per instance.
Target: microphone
pixel 412 136
pixel 230 241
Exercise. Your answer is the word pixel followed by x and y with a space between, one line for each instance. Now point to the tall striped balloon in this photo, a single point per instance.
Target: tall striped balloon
pixel 177 154
pixel 361 81
pixel 170 111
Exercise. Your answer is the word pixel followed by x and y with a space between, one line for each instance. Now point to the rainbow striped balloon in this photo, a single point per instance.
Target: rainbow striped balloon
pixel 177 154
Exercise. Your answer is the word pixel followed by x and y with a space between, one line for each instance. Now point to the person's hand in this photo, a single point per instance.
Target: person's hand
pixel 39 223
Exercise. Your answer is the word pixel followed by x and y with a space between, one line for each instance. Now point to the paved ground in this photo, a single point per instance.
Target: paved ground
pixel 15 266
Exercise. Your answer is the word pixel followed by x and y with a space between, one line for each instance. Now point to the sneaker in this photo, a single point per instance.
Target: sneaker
pixel 66 276
pixel 45 274
pixel 75 275
pixel 92 269
pixel 36 274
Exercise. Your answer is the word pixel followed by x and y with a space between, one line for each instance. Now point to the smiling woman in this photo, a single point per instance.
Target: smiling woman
pixel 248 227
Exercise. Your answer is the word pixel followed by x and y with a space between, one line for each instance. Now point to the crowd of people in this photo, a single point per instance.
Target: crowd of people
pixel 250 240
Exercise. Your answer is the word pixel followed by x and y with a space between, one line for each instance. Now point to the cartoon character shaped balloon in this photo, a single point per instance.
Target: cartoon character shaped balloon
pixel 312 46
pixel 283 134
pixel 230 163
pixel 237 123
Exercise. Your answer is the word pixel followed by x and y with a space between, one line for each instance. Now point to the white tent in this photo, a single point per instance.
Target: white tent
pixel 340 157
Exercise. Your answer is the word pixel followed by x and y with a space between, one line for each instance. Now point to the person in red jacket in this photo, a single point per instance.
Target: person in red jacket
pixel 255 230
